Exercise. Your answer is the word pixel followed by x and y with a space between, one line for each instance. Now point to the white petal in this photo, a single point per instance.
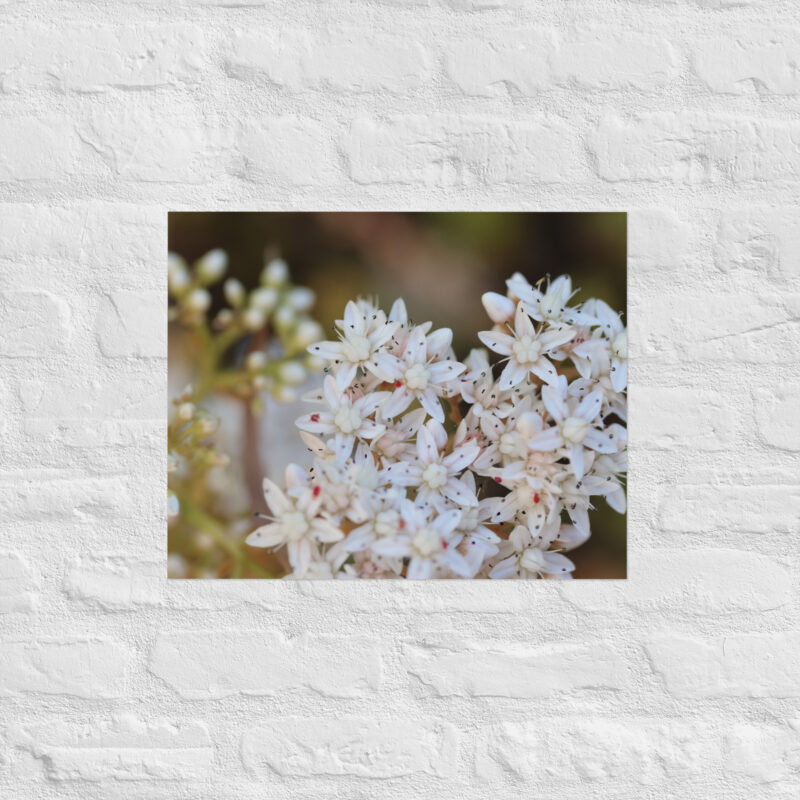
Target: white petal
pixel 512 375
pixel 499 307
pixel 277 501
pixel 439 342
pixel 619 375
pixel 590 406
pixel 419 569
pixel 416 350
pixel 344 375
pixel 545 370
pixel 456 491
pixel 330 350
pixel 386 366
pixel 430 402
pixel 461 457
pixel 554 403
pixel 547 440
pixel 576 460
pixel 501 343
pixel 266 536
pixel 599 441
pixel 333 396
pixel 399 401
pixel 505 569
pixel 444 371
pixel 426 446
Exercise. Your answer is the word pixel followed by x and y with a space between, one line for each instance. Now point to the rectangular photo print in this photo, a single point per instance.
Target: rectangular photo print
pixel 397 395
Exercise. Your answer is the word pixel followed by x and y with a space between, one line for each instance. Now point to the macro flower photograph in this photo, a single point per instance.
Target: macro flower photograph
pixel 397 395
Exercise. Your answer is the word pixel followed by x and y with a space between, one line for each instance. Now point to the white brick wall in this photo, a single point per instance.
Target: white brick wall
pixel 681 682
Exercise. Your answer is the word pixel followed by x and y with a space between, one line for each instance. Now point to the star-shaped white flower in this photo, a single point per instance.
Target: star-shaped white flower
pixel 346 419
pixel 296 523
pixel 434 474
pixel 414 376
pixel 526 350
pixel 429 544
pixel 363 332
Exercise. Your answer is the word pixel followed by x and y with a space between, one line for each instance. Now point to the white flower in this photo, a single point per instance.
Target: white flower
pixel 414 376
pixel 550 306
pixel 526 350
pixel 574 429
pixel 428 543
pixel 433 473
pixel 362 332
pixel 529 561
pixel 500 309
pixel 346 419
pixel 296 523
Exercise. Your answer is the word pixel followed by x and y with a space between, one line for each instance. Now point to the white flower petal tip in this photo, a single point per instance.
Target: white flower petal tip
pixel 499 307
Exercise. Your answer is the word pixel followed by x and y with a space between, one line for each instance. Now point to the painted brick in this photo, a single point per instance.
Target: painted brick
pixel 756 61
pixel 703 582
pixel 205 665
pixel 132 324
pixel 362 747
pixel 486 668
pixel 122 748
pixel 328 59
pixel 16 585
pixel 691 148
pixel 89 668
pixel 739 665
pixel 578 751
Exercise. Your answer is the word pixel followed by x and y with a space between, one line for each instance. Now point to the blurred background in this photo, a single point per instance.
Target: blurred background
pixel 440 263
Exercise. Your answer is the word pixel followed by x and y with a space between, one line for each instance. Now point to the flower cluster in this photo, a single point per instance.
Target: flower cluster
pixel 427 467
pixel 255 344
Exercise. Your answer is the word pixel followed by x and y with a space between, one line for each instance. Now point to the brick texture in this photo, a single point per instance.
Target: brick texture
pixel 679 682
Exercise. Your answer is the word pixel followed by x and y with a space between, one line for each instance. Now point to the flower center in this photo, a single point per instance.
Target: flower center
pixel 347 419
pixel 510 444
pixel 527 350
pixel 574 430
pixel 356 348
pixel 620 345
pixel 435 475
pixel 386 523
pixel 295 525
pixel 426 542
pixel 417 377
pixel 532 560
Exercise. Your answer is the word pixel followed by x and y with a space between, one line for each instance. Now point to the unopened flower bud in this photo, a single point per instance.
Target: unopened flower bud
pixel 254 319
pixel 173 506
pixel 260 382
pixel 308 332
pixel 314 363
pixel 301 298
pixel 211 267
pixel 275 273
pixel 186 411
pixel 176 566
pixel 285 316
pixel 234 292
pixel 223 319
pixel 172 464
pixel 292 373
pixel 265 298
pixel 499 308
pixel 256 361
pixel 199 300
pixel 177 274
pixel 283 394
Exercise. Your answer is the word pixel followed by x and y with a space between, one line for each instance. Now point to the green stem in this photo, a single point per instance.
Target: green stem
pixel 194 515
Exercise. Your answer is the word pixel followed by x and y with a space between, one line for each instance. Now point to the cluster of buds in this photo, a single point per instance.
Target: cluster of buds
pixel 274 315
pixel 427 467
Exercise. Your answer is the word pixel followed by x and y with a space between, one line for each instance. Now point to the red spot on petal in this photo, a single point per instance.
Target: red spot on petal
pixel 398 384
pixel 536 498
pixel 401 524
pixel 317 490
pixel 444 544
pixel 315 417
pixel 498 480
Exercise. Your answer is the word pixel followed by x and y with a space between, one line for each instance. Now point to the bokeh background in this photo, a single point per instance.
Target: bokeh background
pixel 440 263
